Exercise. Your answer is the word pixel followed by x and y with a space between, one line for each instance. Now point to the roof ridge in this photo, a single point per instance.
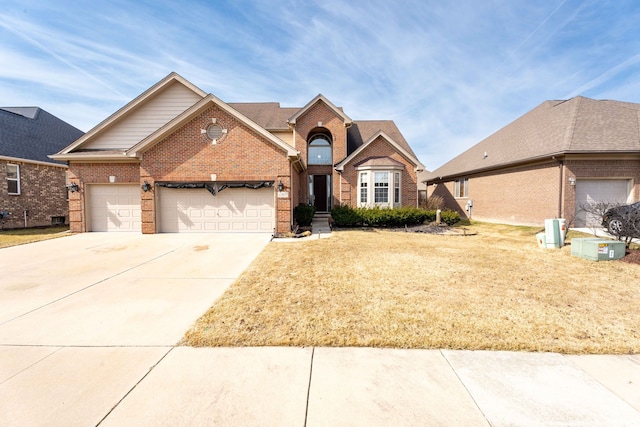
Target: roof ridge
pixel 568 136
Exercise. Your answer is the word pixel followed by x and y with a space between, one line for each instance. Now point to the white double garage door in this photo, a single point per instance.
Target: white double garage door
pixel 116 207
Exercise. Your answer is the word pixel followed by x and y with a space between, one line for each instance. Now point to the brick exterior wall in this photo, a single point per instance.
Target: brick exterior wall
pixel 598 168
pixel 241 155
pixel 524 195
pixel 529 194
pixel 188 155
pixel 42 194
pixel 379 148
pixel 331 124
pixel 95 173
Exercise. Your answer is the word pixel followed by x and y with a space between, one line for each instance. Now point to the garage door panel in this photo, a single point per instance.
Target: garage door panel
pixel 231 210
pixel 114 207
pixel 590 191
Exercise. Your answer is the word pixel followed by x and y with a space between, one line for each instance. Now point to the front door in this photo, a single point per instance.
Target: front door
pixel 320 189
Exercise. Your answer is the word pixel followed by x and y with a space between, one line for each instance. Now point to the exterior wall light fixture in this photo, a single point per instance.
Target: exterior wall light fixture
pixel 146 187
pixel 572 181
pixel 73 187
pixel 280 186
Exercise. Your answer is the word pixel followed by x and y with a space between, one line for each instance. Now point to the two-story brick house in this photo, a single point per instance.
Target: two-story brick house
pixel 176 159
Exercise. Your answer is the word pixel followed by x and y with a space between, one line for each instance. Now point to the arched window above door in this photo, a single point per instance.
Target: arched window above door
pixel 320 152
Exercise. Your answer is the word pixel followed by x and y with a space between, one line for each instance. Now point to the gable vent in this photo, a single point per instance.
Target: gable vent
pixel 214 131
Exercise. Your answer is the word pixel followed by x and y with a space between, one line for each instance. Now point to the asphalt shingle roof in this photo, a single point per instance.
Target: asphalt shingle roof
pixel 362 130
pixel 31 133
pixel 577 125
pixel 271 116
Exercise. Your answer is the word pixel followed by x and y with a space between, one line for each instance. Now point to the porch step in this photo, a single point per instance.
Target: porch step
pixel 320 223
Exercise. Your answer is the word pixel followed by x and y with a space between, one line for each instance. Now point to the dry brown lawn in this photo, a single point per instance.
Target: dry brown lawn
pixel 493 290
pixel 30 235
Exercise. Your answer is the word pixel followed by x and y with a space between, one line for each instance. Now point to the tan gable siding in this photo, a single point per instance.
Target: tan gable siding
pixel 146 119
pixel 286 136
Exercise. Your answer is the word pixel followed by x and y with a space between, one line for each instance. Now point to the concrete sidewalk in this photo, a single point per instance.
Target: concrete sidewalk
pixel 288 386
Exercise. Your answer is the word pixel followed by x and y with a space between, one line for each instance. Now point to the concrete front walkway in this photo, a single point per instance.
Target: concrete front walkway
pixel 88 333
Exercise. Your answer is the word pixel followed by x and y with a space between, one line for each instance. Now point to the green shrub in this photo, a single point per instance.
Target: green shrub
pixel 303 214
pixel 345 216
pixel 449 217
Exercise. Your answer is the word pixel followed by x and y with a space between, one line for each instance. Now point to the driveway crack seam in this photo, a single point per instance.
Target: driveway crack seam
pixel 134 386
pixel 306 409
pixel 465 387
pixel 32 365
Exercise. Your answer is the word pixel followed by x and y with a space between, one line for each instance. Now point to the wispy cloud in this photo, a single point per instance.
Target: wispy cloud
pixel 449 74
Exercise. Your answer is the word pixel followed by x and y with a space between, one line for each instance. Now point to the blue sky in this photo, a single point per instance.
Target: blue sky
pixel 449 73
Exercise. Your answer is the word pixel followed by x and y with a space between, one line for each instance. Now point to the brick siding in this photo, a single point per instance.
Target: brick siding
pixel 334 125
pixel 529 194
pixel 380 148
pixel 95 173
pixel 188 155
pixel 42 194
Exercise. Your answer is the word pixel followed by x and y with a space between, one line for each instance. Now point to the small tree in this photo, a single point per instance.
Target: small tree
pixel 619 221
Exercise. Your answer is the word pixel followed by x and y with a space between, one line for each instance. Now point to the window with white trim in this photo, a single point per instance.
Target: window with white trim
pixel 379 188
pixel 363 190
pixel 461 188
pixel 13 179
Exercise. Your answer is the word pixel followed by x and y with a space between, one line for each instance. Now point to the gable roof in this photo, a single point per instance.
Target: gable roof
pixel 132 105
pixel 576 126
pixel 193 111
pixel 320 98
pixel 31 133
pixel 363 130
pixel 407 154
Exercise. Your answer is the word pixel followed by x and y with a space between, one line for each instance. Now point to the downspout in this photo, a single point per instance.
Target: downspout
pixel 560 188
pixel 340 187
pixel 290 196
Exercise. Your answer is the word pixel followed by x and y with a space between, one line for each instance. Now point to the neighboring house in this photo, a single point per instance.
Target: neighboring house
pixel 33 185
pixel 176 159
pixel 558 157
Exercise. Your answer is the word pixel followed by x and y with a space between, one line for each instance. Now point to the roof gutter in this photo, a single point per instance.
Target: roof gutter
pixel 35 162
pixel 440 178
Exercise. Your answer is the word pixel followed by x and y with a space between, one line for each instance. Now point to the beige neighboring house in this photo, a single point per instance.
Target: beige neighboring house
pixel 547 164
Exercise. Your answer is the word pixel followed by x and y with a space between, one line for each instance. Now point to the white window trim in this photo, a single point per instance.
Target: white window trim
pixel 366 174
pixel 393 173
pixel 17 179
pixel 465 188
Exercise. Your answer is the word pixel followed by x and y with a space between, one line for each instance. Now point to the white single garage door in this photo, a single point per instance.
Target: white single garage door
pixel 114 207
pixel 230 210
pixel 588 191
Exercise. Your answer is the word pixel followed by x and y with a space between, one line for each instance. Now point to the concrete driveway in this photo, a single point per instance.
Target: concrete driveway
pixel 85 317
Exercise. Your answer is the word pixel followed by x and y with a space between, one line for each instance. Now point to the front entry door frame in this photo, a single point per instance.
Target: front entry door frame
pixel 320 192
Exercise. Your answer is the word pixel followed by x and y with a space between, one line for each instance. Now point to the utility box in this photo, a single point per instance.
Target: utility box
pixel 552 233
pixel 598 249
pixel 542 240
